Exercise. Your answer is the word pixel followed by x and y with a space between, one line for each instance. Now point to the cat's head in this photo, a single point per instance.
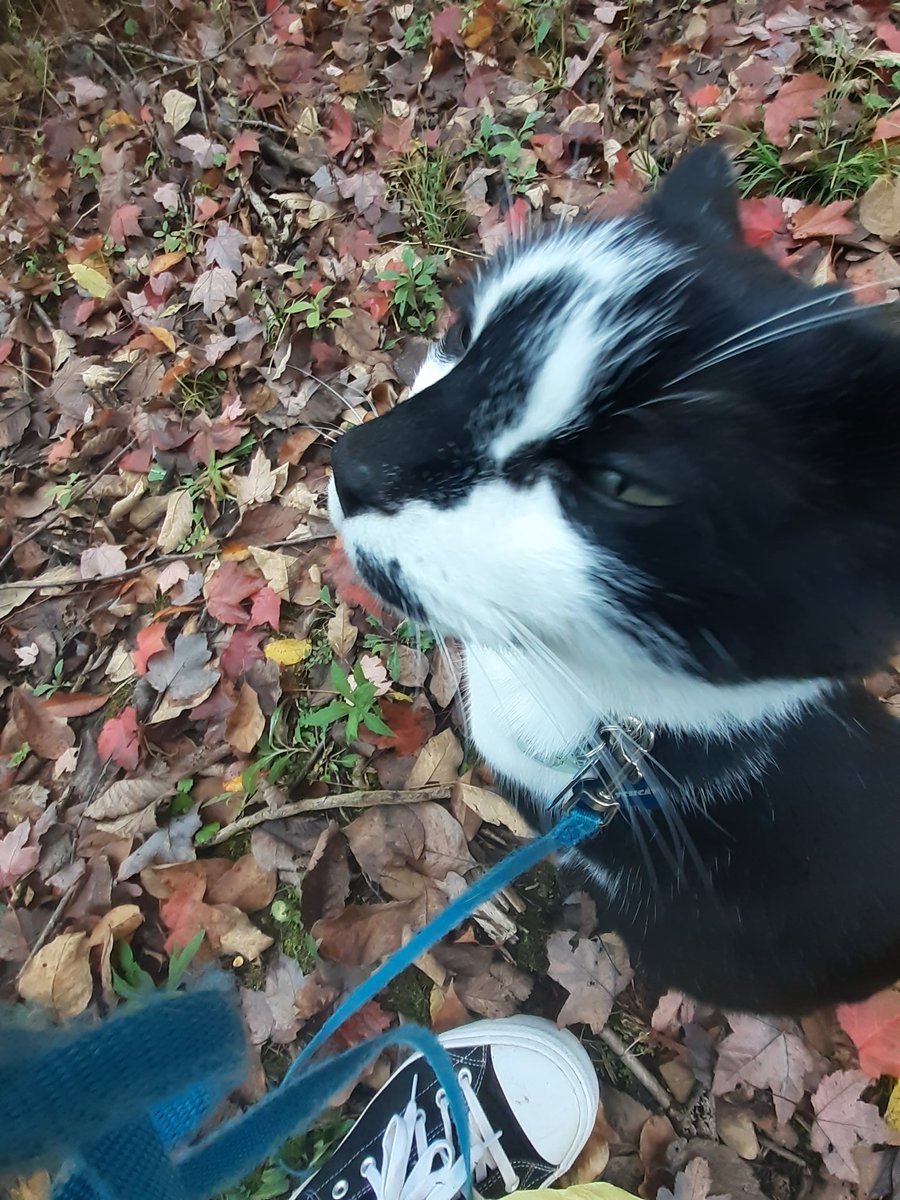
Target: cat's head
pixel 644 442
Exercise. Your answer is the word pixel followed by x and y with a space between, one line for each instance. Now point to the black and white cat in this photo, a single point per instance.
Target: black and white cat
pixel 649 474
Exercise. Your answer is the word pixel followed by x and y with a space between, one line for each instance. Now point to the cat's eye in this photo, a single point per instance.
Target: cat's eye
pixel 628 491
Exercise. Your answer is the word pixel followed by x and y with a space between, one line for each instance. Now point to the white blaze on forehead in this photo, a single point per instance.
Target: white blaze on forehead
pixel 599 269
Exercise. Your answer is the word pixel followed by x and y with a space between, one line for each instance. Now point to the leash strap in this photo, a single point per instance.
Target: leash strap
pixel 116 1100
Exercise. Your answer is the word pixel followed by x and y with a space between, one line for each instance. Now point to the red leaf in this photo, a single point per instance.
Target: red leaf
pixel 815 221
pixel 340 571
pixel 265 608
pixel 150 640
pixel 137 460
pixel 889 34
pixel 357 242
pixel 761 219
pixel 339 129
pixel 241 652
pixel 874 1027
pixel 124 223
pixel 887 127
pixel 796 100
pixel 226 592
pixel 244 143
pixel 446 26
pixel 704 97
pixel 216 435
pixel 369 1021
pixel 119 740
pixel 412 726
pixel 396 133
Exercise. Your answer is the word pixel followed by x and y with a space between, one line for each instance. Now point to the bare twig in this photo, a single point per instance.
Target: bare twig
pixel 639 1071
pixel 259 207
pixel 327 803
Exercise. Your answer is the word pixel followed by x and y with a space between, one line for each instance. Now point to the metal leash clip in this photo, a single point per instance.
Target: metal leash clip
pixel 612 770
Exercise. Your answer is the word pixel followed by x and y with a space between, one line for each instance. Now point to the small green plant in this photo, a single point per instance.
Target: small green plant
pixel 295 939
pixel 544 25
pixel 356 702
pixel 201 392
pixel 87 163
pixel 62 494
pixel 416 297
pixel 130 981
pixel 428 182
pixel 18 756
pixel 177 232
pixel 299 1157
pixel 839 172
pixel 418 32
pixel 498 143
pixel 315 314
pixel 54 684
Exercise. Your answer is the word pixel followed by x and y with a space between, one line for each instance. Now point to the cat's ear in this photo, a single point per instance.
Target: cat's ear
pixel 697 201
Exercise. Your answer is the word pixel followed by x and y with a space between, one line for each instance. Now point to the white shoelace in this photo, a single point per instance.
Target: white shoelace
pixel 439 1172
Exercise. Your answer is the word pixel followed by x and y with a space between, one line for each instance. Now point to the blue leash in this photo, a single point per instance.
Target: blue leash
pixel 115 1101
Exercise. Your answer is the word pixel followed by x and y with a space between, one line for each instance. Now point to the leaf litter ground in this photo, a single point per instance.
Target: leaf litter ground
pixel 225 229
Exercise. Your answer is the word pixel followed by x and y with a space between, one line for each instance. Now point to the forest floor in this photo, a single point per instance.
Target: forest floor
pixel 225 229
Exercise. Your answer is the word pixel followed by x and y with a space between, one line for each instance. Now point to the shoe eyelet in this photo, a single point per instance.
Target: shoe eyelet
pixel 340 1190
pixel 440 1097
pixel 367 1164
pixel 464 1076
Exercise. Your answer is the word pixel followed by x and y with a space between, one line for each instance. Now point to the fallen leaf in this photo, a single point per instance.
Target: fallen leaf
pixel 173 844
pixel 213 289
pixel 201 149
pixel 101 562
pixel 246 722
pixel 17 858
pixel 874 1027
pixel 180 672
pixel 796 100
pixel 225 592
pixel 365 933
pixel 814 220
pixel 178 521
pixel 767 1053
pixel 245 885
pixel 260 483
pixel 150 640
pixel 129 805
pixel 224 248
pixel 90 280
pixel 86 91
pixel 693 1183
pixel 177 108
pixel 438 762
pixel 48 736
pixel 288 651
pixel 265 609
pixel 124 223
pixel 843 1122
pixel 592 972
pixel 58 978
pixel 341 632
pixel 119 739
pixel 446 26
pixel 879 209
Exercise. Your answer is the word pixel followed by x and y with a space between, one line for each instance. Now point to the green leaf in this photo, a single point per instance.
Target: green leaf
pixel 180 959
pixel 202 836
pixel 373 720
pixel 339 680
pixel 334 711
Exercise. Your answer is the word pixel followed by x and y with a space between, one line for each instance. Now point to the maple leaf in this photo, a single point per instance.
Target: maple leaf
pixel 843 1122
pixel 226 592
pixel 761 218
pixel 874 1027
pixel 241 652
pixel 17 858
pixel 211 435
pixel 339 129
pixel 119 739
pixel 260 483
pixel 244 143
pixel 592 973
pixel 180 672
pixel 796 100
pixel 86 91
pixel 767 1053
pixel 224 248
pixel 446 26
pixel 201 149
pixel 265 608
pixel 213 289
pixel 124 223
pixel 150 640
pixel 100 562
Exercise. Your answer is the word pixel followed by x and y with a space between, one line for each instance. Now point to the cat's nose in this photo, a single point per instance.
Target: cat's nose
pixel 354 479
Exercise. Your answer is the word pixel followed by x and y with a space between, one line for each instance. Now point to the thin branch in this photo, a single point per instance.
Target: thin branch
pixel 639 1071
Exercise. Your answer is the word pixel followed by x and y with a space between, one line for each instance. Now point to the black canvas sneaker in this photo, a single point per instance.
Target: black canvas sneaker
pixel 532 1097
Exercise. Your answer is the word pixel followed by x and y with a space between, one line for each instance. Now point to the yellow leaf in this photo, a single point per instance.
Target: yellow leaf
pixel 90 280
pixel 120 117
pixel 288 651
pixel 892 1113
pixel 163 335
pixel 164 262
pixel 236 784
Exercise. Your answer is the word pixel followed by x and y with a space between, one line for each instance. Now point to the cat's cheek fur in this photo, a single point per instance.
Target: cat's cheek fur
pixel 479 568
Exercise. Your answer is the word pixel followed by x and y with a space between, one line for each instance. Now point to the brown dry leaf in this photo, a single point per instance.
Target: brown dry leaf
pixel 592 972
pixel 178 521
pixel 767 1053
pixel 341 631
pixel 58 978
pixel 128 806
pixel 879 209
pixel 260 483
pixel 177 108
pixel 843 1122
pixel 48 736
pixel 237 934
pixel 364 934
pixel 246 722
pixel 492 808
pixel 439 761
pixel 118 923
pixel 245 885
